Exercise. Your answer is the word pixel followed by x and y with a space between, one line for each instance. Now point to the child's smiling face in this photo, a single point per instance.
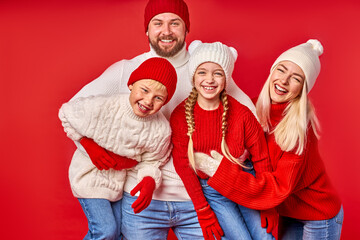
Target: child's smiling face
pixel 209 81
pixel 146 98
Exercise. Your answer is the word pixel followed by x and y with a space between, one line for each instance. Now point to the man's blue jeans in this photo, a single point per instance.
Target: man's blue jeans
pixel 155 221
pixel 294 229
pixel 104 218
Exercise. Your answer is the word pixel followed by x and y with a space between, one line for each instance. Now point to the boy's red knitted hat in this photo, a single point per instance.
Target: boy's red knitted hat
pixel 155 7
pixel 158 69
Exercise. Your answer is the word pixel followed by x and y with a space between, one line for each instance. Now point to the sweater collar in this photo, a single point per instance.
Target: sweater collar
pixel 277 111
pixel 214 112
pixel 180 59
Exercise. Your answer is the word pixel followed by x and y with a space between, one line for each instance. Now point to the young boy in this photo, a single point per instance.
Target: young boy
pixel 129 125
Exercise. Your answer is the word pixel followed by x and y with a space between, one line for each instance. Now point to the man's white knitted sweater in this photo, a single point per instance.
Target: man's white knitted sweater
pixel 112 124
pixel 114 80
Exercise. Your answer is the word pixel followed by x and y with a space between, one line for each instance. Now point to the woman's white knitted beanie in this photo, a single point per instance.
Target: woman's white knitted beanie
pixel 211 52
pixel 306 56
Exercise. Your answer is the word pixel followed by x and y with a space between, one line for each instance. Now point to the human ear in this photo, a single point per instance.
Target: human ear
pixel 131 87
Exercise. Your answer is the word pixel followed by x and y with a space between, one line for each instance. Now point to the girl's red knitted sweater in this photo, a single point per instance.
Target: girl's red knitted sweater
pixel 299 185
pixel 244 131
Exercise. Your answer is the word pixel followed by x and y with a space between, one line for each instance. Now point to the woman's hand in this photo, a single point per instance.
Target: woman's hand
pixel 269 219
pixel 206 163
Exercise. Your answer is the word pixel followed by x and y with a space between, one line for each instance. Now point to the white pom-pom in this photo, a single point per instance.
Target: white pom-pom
pixel 193 45
pixel 234 53
pixel 316 45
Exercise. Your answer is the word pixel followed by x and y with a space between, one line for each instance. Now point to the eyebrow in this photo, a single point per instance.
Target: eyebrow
pixel 297 74
pixel 171 20
pixel 218 69
pixel 143 85
pixel 283 66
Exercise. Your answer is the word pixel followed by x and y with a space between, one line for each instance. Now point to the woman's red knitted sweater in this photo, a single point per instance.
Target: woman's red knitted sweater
pixel 298 186
pixel 244 131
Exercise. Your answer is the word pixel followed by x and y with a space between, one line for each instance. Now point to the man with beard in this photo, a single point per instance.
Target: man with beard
pixel 166 25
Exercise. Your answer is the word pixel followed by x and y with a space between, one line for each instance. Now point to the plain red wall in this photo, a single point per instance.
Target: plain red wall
pixel 50 49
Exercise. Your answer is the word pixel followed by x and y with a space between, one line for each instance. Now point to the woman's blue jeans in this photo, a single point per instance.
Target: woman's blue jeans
pixel 104 218
pixel 294 229
pixel 155 221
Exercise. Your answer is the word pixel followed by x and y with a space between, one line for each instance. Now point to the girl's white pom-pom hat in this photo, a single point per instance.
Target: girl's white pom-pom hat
pixel 212 52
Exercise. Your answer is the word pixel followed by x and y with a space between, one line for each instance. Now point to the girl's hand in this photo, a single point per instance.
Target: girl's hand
pixel 209 223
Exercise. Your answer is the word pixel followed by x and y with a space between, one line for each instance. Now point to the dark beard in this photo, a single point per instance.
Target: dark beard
pixel 163 53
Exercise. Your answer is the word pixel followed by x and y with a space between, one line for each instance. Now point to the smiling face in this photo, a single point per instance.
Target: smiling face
pixel 146 97
pixel 209 81
pixel 286 82
pixel 166 32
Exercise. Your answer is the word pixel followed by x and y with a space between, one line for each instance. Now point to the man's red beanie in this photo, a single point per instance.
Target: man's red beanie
pixel 178 7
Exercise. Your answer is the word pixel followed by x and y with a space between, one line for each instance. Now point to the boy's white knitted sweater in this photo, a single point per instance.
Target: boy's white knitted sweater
pixel 114 80
pixel 112 124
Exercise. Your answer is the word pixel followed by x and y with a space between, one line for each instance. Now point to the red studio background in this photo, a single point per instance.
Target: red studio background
pixel 50 49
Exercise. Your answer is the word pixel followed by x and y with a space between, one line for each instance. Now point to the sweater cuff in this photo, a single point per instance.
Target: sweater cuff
pixel 150 171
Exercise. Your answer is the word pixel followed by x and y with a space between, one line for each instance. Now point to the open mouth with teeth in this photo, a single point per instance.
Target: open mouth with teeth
pixel 142 108
pixel 280 90
pixel 166 40
pixel 209 88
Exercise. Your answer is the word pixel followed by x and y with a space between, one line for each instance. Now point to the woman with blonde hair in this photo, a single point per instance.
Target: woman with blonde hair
pixel 209 119
pixel 299 187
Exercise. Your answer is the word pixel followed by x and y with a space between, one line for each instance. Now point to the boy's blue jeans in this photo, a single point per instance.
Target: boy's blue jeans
pixel 104 218
pixel 294 229
pixel 155 221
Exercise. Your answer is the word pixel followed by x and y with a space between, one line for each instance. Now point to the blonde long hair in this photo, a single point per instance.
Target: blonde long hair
pixel 291 131
pixel 189 113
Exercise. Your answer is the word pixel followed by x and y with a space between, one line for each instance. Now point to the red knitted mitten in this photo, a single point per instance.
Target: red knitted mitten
pixel 209 223
pixel 269 219
pixel 122 162
pixel 98 155
pixel 146 188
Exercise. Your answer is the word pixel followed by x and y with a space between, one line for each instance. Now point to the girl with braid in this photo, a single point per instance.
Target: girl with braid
pixel 207 120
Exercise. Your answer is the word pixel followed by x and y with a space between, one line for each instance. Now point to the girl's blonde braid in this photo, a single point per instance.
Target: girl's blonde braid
pixel 189 113
pixel 224 146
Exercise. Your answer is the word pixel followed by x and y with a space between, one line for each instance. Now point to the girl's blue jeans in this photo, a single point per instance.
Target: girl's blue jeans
pixel 104 218
pixel 237 222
